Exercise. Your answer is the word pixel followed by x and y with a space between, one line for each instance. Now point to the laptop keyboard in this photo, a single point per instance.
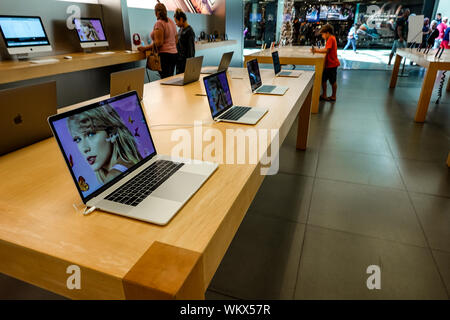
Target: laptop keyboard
pixel 235 113
pixel 266 88
pixel 141 186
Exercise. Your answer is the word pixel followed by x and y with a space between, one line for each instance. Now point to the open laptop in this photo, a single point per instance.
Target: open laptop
pixel 191 73
pixel 221 104
pixel 223 66
pixel 111 156
pixel 256 82
pixel 126 81
pixel 282 73
pixel 24 112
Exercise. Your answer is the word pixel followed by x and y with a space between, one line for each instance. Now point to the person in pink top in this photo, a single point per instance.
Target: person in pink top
pixel 164 38
pixel 441 28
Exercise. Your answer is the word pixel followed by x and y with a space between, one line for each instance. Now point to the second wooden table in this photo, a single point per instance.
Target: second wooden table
pixel 296 55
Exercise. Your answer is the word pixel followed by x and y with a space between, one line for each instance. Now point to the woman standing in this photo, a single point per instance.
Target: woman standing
pixel 164 37
pixel 186 40
pixel 352 37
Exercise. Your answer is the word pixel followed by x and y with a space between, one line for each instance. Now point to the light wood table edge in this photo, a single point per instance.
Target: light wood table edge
pixel 94 284
pixel 448 160
pixel 20 71
pixel 165 272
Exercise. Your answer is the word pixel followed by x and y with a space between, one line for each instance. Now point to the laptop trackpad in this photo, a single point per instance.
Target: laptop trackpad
pixel 180 187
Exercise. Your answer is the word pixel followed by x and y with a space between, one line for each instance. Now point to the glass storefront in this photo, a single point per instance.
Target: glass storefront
pixel 260 22
pixel 375 21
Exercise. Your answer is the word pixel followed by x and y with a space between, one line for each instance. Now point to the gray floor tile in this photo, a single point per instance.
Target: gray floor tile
pixel 411 147
pixel 412 130
pixel 366 210
pixel 262 260
pixel 359 168
pixel 443 262
pixel 426 177
pixel 358 125
pixel 297 161
pixel 334 265
pixel 434 215
pixel 284 196
pixel 349 141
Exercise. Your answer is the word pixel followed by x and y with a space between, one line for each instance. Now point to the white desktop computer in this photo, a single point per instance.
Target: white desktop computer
pixel 90 32
pixel 24 35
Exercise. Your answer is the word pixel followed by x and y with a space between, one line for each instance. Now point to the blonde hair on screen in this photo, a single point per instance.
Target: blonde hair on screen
pixel 105 118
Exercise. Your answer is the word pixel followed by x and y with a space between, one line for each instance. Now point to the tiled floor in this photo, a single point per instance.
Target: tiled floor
pixel 372 189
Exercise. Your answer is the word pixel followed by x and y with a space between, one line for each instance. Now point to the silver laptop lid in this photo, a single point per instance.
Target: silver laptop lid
pixel 103 142
pixel 126 81
pixel 24 111
pixel 225 61
pixel 193 69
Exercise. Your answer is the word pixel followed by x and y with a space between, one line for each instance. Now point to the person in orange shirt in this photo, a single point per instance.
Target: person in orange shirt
pixel 331 62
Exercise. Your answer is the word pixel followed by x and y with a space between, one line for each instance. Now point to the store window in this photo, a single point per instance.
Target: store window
pixel 260 23
pixel 375 20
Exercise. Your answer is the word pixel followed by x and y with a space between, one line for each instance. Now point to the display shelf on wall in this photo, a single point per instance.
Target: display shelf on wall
pixel 13 70
pixel 204 45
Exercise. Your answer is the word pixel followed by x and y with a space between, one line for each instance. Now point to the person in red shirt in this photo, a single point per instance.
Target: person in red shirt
pixel 331 62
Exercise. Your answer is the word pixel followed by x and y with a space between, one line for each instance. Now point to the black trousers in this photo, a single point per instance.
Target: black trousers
pixel 168 63
pixel 181 65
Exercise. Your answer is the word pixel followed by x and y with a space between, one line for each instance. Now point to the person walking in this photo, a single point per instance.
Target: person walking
pixel 164 39
pixel 426 30
pixel 352 37
pixel 400 33
pixel 441 28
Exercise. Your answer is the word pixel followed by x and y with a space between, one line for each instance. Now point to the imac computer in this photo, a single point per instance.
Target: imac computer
pixel 90 32
pixel 24 34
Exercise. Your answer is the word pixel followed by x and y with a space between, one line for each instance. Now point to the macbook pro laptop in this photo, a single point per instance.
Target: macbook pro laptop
pixel 223 66
pixel 256 82
pixel 126 81
pixel 191 73
pixel 221 104
pixel 282 73
pixel 24 113
pixel 111 156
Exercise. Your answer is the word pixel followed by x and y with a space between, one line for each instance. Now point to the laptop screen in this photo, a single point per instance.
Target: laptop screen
pixel 276 62
pixel 103 141
pixel 253 74
pixel 218 92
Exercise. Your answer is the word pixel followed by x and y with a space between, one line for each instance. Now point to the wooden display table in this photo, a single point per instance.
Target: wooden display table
pixel 433 65
pixel 12 70
pixel 41 234
pixel 296 55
